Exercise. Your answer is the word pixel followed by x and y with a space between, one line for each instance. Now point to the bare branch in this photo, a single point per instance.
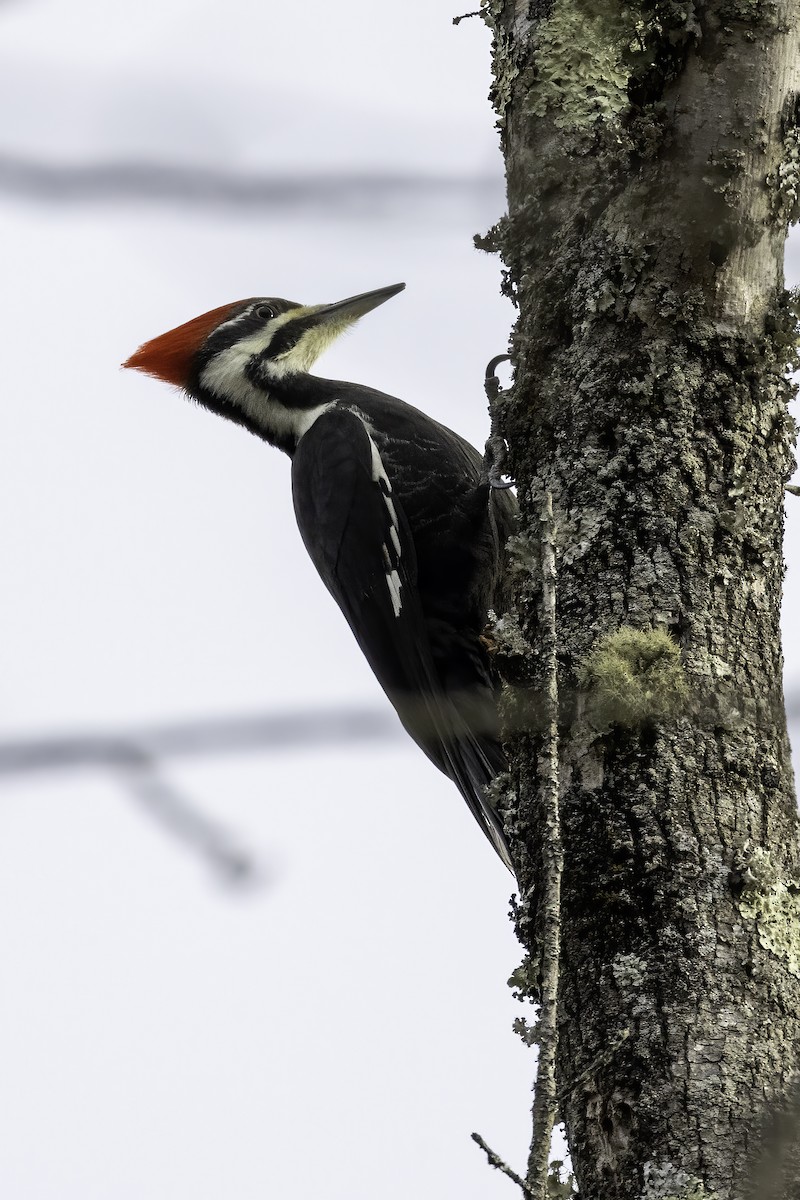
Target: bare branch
pixel 496 1161
pixel 544 1100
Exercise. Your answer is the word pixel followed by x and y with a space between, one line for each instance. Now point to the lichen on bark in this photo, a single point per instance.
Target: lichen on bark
pixel 581 68
pixel 643 245
pixel 772 902
pixel 667 1182
pixel 634 677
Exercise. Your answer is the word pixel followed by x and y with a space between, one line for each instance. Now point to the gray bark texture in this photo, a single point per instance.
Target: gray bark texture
pixel 653 160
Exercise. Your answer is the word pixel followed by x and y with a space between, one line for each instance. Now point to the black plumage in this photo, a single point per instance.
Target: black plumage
pixel 426 651
pixel 394 508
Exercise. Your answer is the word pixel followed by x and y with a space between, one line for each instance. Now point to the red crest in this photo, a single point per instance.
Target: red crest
pixel 169 356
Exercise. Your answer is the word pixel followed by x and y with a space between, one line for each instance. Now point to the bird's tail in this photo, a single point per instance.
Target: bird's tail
pixel 457 732
pixel 473 763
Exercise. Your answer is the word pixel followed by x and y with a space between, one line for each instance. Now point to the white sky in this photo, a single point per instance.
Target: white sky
pixel 341 1030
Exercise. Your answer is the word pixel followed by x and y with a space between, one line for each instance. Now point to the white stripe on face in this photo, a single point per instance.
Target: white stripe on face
pixel 225 376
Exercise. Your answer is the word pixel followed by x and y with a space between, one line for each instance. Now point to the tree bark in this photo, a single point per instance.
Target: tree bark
pixel 652 157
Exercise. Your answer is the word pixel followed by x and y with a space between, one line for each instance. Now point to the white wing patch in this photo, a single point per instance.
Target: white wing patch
pixel 393 581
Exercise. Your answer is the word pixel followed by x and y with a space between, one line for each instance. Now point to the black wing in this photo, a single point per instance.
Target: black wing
pixel 359 540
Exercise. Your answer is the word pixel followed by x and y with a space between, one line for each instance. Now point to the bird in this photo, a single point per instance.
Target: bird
pixel 398 513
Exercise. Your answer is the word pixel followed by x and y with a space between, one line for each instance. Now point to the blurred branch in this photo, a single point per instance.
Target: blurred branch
pixel 136 754
pixel 187 739
pixel 232 735
pixel 333 193
pixel 231 861
pixel 135 757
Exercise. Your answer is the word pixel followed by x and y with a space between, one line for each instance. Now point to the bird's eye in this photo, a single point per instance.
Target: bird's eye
pixel 264 312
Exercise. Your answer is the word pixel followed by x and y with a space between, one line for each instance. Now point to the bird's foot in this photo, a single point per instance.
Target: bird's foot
pixel 494 460
pixel 495 454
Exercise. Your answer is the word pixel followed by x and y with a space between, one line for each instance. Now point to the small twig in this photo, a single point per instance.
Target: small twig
pixel 496 1161
pixel 793 489
pixel 604 1057
pixel 544 1100
pixel 465 17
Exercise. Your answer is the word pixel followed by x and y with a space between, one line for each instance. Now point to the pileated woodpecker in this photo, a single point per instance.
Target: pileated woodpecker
pixel 395 510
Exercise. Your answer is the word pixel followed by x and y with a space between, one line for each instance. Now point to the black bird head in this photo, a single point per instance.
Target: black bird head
pixel 249 361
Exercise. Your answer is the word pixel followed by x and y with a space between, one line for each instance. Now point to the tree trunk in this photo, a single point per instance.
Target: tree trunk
pixel 652 156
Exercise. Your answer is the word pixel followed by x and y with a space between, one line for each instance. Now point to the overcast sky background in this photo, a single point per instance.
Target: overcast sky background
pixel 339 1028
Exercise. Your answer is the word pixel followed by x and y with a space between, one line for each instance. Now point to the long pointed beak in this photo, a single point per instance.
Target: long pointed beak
pixel 355 306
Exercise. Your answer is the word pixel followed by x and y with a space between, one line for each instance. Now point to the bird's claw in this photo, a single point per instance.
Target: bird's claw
pixel 494 461
pixel 496 451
